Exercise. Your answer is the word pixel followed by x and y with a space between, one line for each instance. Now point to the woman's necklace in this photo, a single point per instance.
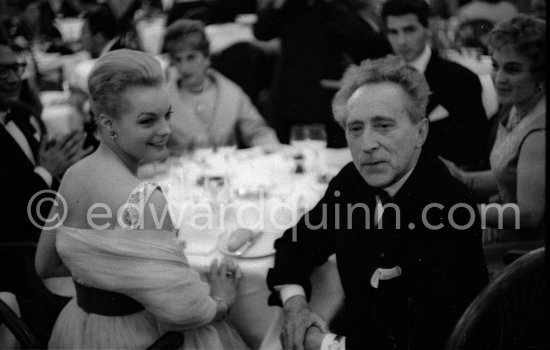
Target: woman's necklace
pixel 203 101
pixel 519 112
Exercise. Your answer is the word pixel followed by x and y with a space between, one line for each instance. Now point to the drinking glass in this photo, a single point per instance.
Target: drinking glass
pixel 310 140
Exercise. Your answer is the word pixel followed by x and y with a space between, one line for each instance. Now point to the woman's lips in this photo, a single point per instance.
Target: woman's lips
pixel 160 144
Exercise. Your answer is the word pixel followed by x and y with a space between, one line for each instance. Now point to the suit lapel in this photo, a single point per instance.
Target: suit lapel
pixel 432 75
pixel 11 148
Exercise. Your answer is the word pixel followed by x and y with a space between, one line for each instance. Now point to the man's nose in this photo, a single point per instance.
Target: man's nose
pixel 13 76
pixel 401 39
pixel 369 141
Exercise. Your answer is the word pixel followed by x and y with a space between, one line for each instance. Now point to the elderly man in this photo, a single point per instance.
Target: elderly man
pixel 405 233
pixel 458 124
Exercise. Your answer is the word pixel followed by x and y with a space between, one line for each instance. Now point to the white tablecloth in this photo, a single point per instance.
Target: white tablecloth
pixel 247 171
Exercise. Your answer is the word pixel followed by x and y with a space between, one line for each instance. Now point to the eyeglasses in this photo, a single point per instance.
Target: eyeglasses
pixel 17 68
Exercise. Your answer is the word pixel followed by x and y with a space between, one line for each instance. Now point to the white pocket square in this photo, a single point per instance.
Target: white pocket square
pixel 438 113
pixel 384 274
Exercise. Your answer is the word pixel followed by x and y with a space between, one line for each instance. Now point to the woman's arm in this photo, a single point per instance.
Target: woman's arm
pixel 46 261
pixel 252 126
pixel 481 182
pixel 531 187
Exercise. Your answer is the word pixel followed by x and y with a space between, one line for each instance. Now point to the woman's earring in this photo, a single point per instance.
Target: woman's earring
pixel 540 88
pixel 112 134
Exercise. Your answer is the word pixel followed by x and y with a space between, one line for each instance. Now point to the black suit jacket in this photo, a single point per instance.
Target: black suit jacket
pixel 442 270
pixel 462 137
pixel 18 183
pixel 317 42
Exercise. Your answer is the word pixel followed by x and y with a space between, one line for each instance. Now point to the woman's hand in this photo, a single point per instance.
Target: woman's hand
pixel 224 280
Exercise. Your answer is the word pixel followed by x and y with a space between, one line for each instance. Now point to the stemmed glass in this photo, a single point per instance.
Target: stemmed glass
pixel 309 139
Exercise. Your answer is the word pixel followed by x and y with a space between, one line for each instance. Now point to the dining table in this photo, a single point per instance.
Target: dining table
pixel 214 192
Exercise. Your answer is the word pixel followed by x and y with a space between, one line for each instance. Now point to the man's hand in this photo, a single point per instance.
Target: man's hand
pixel 298 318
pixel 58 155
pixel 314 338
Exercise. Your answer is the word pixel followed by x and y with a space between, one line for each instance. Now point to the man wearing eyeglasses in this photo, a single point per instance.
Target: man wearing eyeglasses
pixel 29 162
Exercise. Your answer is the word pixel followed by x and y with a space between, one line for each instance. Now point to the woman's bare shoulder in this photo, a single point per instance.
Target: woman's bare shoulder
pixel 96 179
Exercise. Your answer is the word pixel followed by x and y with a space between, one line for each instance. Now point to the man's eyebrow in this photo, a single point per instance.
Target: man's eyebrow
pixel 513 63
pixel 378 118
pixel 147 114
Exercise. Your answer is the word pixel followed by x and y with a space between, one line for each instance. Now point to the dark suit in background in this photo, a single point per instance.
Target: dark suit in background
pixel 317 42
pixel 462 136
pixel 18 184
pixel 442 270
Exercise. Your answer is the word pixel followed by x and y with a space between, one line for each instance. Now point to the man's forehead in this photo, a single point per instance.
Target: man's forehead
pixel 376 101
pixel 408 19
pixel 6 55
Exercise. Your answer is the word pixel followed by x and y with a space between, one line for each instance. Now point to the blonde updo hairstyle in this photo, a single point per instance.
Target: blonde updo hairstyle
pixel 114 73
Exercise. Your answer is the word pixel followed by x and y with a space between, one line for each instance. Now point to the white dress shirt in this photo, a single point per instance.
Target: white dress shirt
pixel 421 62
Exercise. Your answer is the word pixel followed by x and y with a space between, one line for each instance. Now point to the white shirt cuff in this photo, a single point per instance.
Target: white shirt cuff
pixel 287 291
pixel 44 174
pixel 329 338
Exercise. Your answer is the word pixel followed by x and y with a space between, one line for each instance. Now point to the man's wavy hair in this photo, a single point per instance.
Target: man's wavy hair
pixel 527 35
pixel 390 69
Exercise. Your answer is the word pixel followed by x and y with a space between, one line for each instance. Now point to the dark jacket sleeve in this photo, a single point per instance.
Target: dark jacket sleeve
pixel 461 138
pixel 306 245
pixel 17 189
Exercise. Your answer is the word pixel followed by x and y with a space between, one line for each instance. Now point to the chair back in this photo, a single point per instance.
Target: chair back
pixel 510 313
pixel 18 328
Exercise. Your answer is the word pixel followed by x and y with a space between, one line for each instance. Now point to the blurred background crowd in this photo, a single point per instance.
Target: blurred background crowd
pixel 245 72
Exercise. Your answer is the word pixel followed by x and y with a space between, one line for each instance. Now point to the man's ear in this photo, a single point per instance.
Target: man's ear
pixel 429 32
pixel 423 128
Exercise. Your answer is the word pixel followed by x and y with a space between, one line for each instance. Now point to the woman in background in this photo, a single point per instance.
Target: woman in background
pixel 209 109
pixel 518 156
pixel 132 279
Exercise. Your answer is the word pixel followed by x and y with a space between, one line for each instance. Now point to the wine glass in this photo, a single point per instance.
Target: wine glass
pixel 310 140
